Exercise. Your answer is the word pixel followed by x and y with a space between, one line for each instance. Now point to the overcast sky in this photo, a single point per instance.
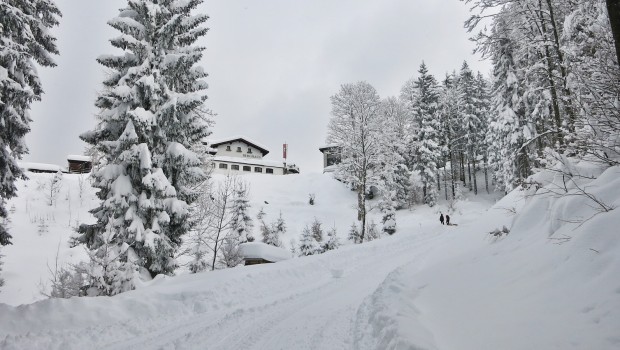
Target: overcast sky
pixel 272 64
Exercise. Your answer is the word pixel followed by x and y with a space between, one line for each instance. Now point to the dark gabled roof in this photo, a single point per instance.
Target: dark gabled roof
pixel 328 147
pixel 262 149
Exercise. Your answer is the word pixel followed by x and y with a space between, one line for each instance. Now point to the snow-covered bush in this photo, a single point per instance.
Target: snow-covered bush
pixel 67 281
pixel 372 233
pixel 272 233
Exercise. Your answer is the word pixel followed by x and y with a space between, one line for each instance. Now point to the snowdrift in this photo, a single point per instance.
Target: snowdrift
pixel 550 283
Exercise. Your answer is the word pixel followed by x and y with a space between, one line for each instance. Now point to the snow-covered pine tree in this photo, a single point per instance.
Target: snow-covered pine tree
pixel 241 222
pixel 278 231
pixel 317 230
pixel 151 115
pixel 307 243
pixel 394 175
pixel 421 96
pixel 354 234
pixel 469 121
pixel 482 103
pixel 505 138
pixel 273 233
pixel 448 113
pixel 333 242
pixel 388 212
pixel 25 41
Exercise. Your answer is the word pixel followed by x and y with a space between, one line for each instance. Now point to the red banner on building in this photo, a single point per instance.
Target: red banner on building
pixel 284 147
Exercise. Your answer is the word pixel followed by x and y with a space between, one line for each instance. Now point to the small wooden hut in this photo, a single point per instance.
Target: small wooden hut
pixel 79 164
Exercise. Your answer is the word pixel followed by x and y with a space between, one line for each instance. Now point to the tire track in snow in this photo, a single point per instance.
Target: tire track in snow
pixel 309 313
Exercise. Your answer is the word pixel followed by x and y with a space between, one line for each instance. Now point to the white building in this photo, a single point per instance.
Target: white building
pixel 239 155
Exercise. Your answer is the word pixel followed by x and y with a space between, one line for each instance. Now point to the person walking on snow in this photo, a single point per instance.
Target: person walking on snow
pixel 441 218
pixel 447 219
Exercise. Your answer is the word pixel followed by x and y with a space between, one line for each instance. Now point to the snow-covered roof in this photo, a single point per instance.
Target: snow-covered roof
pixel 328 146
pixel 28 166
pixel 249 161
pixel 260 250
pixel 262 148
pixel 80 158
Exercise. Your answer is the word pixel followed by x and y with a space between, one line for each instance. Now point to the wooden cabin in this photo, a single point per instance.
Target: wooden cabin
pixel 79 164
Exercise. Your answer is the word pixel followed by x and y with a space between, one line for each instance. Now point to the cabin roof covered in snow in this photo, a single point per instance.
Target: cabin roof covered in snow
pixel 79 158
pixel 260 250
pixel 328 146
pixel 29 166
pixel 215 143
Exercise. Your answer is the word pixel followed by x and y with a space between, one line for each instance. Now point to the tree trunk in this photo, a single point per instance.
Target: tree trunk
pixel 462 167
pixel 613 9
pixel 469 173
pixel 452 175
pixel 361 209
pixel 486 172
pixel 475 181
pixel 445 180
pixel 215 253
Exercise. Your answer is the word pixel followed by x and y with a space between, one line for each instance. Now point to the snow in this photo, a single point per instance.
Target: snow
pixel 259 250
pixel 28 166
pixel 551 283
pixel 80 158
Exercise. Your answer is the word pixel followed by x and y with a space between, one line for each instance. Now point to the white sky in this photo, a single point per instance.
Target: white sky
pixel 272 64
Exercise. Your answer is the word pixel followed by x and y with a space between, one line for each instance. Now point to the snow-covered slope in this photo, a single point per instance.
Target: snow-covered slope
pixel 551 283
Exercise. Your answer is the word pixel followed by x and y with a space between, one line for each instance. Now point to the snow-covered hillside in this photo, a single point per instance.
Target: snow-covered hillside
pixel 551 283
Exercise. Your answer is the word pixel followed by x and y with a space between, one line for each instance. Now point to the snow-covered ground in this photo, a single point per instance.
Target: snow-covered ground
pixel 551 283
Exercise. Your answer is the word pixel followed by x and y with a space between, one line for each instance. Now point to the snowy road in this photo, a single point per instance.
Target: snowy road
pixel 298 304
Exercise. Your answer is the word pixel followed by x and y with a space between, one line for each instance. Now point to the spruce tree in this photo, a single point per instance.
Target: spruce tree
pixel 333 242
pixel 152 115
pixel 241 221
pixel 354 234
pixel 421 96
pixel 469 121
pixel 307 243
pixel 25 41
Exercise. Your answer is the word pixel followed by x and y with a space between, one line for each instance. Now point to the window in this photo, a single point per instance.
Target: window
pixel 269 171
pixel 223 166
pixel 249 150
pixel 258 169
pixel 247 168
pixel 239 149
pixel 228 148
pixel 234 167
